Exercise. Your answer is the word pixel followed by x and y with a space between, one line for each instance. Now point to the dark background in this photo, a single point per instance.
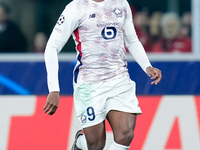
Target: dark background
pixel 35 16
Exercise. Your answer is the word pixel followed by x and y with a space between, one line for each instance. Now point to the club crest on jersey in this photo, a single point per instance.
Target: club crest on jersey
pixel 117 12
pixel 61 20
pixel 83 118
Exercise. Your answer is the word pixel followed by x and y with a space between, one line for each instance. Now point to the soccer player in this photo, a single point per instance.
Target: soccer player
pixel 102 86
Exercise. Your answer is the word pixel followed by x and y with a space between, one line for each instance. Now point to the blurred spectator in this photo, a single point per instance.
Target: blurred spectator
pixel 186 21
pixel 154 27
pixel 44 15
pixel 133 10
pixel 140 20
pixel 185 31
pixel 11 38
pixel 171 40
pixel 40 41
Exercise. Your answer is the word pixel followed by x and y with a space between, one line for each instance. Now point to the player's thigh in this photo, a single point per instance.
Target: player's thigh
pixel 95 134
pixel 122 123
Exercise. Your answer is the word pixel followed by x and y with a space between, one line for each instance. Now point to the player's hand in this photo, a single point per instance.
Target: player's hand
pixel 155 74
pixel 51 103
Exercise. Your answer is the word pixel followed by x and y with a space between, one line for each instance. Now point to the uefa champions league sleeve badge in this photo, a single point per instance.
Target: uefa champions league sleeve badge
pixel 61 20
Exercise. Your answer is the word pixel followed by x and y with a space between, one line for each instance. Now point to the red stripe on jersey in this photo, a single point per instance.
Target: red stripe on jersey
pixel 78 47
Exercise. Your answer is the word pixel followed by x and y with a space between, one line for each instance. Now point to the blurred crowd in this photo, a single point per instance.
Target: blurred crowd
pixel 158 32
pixel 163 32
pixel 13 40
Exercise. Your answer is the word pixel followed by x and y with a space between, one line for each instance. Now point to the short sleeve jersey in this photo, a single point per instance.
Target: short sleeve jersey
pixel 98 32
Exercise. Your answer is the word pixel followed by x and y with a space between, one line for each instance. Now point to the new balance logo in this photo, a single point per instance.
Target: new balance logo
pixel 92 16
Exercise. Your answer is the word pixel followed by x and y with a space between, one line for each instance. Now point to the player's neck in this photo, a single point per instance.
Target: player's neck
pixel 98 0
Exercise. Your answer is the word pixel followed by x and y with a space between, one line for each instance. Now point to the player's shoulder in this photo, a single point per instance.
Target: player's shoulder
pixel 77 3
pixel 73 7
pixel 120 3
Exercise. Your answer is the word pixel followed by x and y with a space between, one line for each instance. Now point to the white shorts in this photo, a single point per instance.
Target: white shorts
pixel 93 101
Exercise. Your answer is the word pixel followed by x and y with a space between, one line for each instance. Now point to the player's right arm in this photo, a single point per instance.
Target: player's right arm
pixel 66 24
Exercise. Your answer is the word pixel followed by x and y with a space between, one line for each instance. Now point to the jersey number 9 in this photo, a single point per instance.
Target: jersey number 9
pixel 90 113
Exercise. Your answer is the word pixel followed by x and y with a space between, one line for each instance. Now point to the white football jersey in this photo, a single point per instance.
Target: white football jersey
pixel 100 30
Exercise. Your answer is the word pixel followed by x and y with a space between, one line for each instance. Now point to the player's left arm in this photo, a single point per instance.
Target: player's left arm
pixel 137 50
